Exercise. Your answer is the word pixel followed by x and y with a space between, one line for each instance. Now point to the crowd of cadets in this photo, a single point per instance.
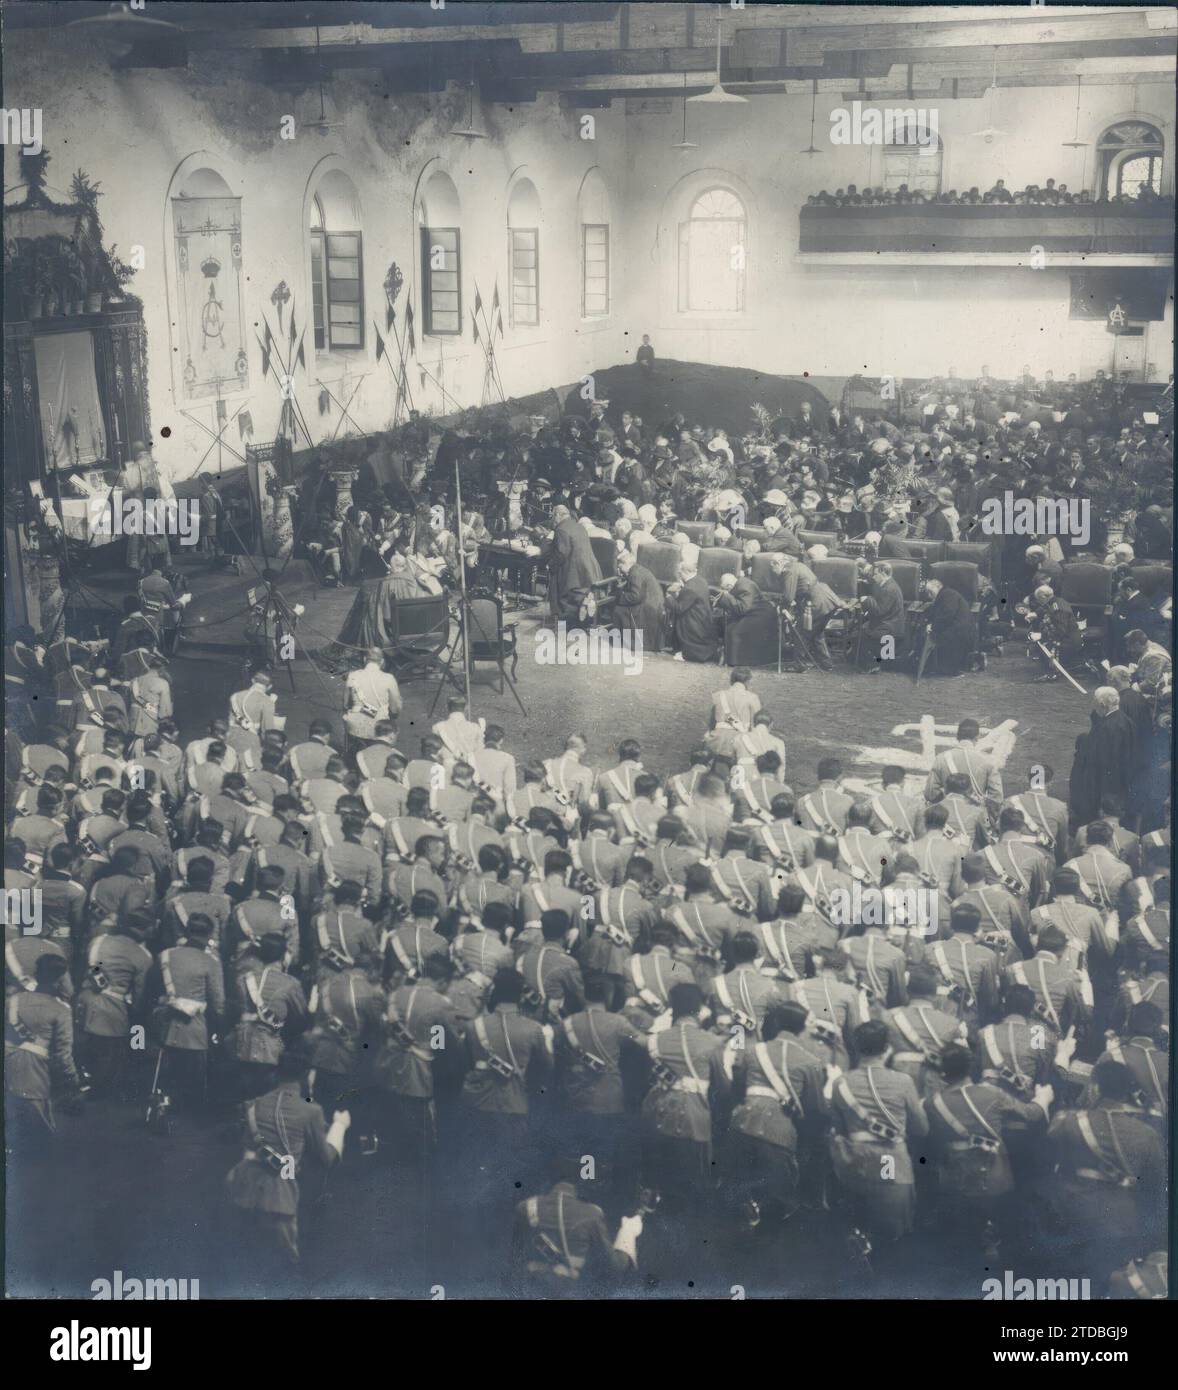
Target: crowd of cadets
pixel 509 969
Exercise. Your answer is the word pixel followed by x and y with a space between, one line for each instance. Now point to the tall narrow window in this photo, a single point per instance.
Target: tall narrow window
pixel 712 253
pixel 318 288
pixel 594 271
pixel 525 276
pixel 441 279
pixel 440 218
pixel 523 254
pixel 337 264
pixel 907 164
pixel 593 213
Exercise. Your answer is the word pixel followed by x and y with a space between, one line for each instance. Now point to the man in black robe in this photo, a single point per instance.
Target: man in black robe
pixel 883 616
pixel 1110 749
pixel 573 567
pixel 952 627
pixel 693 624
pixel 639 603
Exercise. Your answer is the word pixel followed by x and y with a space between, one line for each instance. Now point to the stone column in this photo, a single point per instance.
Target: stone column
pixel 343 478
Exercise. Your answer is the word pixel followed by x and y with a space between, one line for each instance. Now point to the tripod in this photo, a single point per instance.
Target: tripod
pixel 465 618
pixel 787 627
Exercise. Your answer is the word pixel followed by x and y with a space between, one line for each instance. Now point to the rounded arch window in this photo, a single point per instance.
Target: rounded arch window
pixel 713 241
pixel 593 215
pixel 439 218
pixel 523 252
pixel 337 263
pixel 1131 160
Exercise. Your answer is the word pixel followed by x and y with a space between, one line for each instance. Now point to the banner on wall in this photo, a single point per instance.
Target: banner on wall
pixel 209 281
pixel 1119 296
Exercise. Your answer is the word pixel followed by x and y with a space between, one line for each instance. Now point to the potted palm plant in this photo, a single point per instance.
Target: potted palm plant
pixel 73 274
pixel 119 277
pixel 41 297
pixel 88 237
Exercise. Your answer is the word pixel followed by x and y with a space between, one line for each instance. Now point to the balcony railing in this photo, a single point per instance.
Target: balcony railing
pixel 1096 229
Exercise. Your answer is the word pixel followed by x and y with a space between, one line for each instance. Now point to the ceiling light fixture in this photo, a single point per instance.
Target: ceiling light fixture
pixel 1075 143
pixel 717 96
pixel 685 143
pixel 812 148
pixel 988 132
pixel 470 133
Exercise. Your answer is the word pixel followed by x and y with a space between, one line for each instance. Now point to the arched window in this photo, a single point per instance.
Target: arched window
pixel 906 162
pixel 441 256
pixel 1131 159
pixel 210 320
pixel 594 216
pixel 523 251
pixel 712 245
pixel 337 263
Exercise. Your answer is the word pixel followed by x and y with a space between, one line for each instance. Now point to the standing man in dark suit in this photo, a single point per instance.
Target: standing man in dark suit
pixel 573 567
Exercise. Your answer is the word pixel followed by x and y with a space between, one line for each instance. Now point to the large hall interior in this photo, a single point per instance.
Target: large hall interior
pixel 616 420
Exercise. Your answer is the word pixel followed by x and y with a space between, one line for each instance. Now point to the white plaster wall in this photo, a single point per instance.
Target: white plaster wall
pixel 837 320
pixel 131 132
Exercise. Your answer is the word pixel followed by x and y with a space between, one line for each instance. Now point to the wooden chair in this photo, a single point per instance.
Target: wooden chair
pixel 980 553
pixel 661 559
pixel 961 575
pixel 927 552
pixel 1088 588
pixel 715 563
pixel 701 533
pixel 830 539
pixel 906 573
pixel 489 638
pixel 840 573
pixel 605 549
pixel 420 630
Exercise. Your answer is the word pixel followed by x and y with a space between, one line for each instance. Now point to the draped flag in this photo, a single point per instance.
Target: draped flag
pixel 301 355
pixel 409 328
pixel 499 324
pixel 474 327
pixel 478 301
pixel 293 332
pixel 495 297
pixel 380 345
pixel 390 315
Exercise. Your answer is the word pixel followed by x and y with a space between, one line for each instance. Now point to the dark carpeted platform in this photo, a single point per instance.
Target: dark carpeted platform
pixel 721 396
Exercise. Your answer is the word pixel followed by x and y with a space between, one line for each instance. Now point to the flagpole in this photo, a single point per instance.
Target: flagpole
pixel 464 609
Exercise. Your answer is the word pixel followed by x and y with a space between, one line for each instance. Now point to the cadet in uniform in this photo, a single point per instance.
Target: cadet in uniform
pixel 969 1128
pixel 188 985
pixel 875 1110
pixel 281 1129
pixel 38 1053
pixel 689 1088
pixel 781 1114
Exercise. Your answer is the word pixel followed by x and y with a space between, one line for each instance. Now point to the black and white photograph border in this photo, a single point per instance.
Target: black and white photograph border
pixel 588 652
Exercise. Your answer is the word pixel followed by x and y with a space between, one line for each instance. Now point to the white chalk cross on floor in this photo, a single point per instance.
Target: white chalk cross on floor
pixel 997 743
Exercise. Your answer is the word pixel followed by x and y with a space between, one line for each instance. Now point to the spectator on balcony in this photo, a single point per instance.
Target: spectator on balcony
pixel 972 198
pixel 999 193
